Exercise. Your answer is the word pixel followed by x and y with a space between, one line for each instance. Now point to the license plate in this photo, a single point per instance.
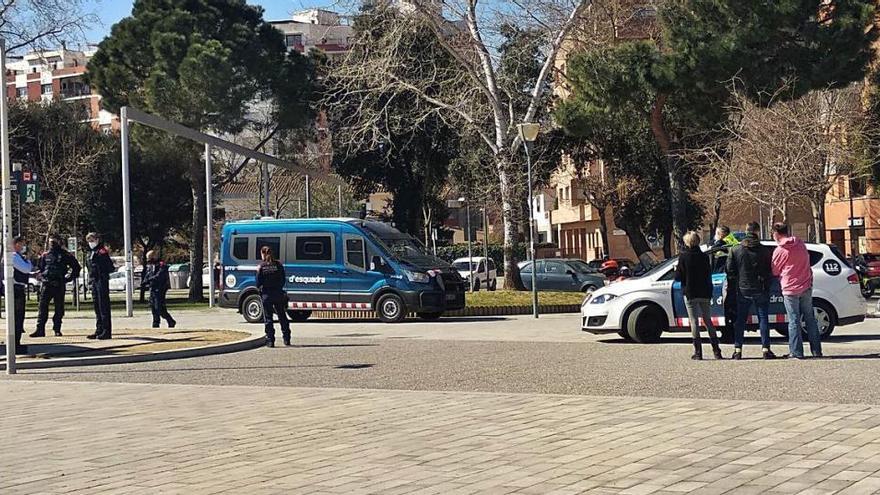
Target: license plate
pixel 451 297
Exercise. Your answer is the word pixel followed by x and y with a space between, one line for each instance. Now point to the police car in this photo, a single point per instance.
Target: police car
pixel 642 308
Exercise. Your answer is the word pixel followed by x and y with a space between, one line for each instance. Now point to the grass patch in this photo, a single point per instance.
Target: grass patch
pixel 521 298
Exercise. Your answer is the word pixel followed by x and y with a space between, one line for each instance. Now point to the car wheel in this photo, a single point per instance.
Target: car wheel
pixel 826 318
pixel 588 289
pixel 391 308
pixel 252 309
pixel 493 285
pixel 298 316
pixel 625 336
pixel 646 324
pixel 431 315
pixel 867 291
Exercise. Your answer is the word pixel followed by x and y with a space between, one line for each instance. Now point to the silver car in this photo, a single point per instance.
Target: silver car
pixel 566 275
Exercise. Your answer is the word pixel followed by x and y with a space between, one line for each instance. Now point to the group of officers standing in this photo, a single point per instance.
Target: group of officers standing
pixel 57 267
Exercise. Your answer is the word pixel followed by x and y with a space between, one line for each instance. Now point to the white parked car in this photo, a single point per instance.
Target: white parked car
pixel 475 272
pixel 642 308
pixel 117 281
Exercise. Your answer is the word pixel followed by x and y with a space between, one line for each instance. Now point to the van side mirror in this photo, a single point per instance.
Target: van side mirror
pixel 377 264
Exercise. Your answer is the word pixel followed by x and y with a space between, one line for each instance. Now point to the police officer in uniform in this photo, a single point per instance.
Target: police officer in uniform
pixel 21 272
pixel 270 281
pixel 55 268
pixel 157 279
pixel 100 268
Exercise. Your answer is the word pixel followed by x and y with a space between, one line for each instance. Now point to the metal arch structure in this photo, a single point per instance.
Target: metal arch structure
pixel 131 114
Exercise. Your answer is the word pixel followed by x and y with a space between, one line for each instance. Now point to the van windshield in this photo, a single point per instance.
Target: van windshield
pixel 463 266
pixel 397 243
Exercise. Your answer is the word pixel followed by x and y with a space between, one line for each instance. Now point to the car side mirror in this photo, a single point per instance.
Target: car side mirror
pixel 377 264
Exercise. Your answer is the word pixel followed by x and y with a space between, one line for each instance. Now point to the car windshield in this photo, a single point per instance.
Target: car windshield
pixel 659 267
pixel 462 266
pixel 581 267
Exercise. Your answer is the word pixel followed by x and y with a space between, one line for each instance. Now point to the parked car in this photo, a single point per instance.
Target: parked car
pixel 338 264
pixel 868 266
pixel 643 308
pixel 569 275
pixel 595 264
pixel 475 272
pixel 117 281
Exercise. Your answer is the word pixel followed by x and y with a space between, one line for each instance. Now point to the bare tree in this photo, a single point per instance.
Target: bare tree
pixel 470 92
pixel 42 24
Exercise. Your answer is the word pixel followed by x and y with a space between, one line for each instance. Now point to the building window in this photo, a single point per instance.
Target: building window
pixel 21 92
pixel 293 40
pixel 858 186
pixel 46 89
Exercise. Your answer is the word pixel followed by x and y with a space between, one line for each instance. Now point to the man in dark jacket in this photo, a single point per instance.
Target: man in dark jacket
pixel 100 268
pixel 157 279
pixel 55 268
pixel 749 270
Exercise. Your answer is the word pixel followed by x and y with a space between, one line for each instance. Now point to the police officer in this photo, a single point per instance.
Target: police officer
pixel 21 273
pixel 270 281
pixel 55 268
pixel 157 279
pixel 100 268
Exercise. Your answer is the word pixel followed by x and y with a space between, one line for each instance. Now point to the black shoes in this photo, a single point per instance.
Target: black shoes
pixel 98 336
pixel 270 343
pixel 287 342
pixel 768 354
pixel 697 357
pixel 92 336
pixel 737 355
pixel 172 324
pixel 37 335
pixel 104 336
pixel 716 351
pixel 58 333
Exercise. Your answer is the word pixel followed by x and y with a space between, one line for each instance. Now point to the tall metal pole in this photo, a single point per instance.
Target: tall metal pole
pixel 339 198
pixel 532 233
pixel 308 197
pixel 853 244
pixel 264 177
pixel 486 243
pixel 471 270
pixel 210 223
pixel 9 287
pixel 126 214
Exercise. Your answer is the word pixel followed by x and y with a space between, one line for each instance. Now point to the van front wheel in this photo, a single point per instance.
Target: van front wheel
pixel 391 308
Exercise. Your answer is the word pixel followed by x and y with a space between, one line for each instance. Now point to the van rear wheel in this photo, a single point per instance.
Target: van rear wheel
pixel 391 308
pixel 252 308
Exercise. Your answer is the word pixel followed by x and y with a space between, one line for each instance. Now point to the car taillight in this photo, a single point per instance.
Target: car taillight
pixel 853 278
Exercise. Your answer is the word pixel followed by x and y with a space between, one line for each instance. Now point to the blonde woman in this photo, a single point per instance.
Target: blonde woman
pixel 695 274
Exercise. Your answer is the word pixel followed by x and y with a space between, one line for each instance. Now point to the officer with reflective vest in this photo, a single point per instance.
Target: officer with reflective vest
pixel 100 268
pixel 55 268
pixel 725 240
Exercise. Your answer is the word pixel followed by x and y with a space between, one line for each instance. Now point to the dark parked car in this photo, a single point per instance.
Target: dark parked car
pixel 622 262
pixel 570 275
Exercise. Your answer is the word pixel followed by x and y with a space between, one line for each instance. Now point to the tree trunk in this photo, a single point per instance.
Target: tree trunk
pixel 716 207
pixel 818 209
pixel 677 193
pixel 667 243
pixel 197 243
pixel 509 204
pixel 603 231
pixel 637 240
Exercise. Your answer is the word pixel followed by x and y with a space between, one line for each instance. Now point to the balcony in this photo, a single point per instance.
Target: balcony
pixel 570 211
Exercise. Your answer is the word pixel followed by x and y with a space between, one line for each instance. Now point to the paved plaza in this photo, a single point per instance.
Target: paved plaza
pixel 492 405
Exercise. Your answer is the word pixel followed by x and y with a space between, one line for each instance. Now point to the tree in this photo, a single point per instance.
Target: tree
pixel 472 94
pixel 201 63
pixel 42 24
pixel 160 197
pixel 55 141
pixel 814 44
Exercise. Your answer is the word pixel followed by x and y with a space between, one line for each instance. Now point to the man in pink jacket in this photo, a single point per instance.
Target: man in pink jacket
pixel 791 263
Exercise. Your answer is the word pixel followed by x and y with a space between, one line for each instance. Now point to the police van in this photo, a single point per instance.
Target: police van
pixel 642 308
pixel 338 264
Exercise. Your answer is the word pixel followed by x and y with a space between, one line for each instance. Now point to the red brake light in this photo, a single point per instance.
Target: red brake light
pixel 853 278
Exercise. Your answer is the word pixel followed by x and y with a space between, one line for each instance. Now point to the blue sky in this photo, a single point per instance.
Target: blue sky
pixel 111 11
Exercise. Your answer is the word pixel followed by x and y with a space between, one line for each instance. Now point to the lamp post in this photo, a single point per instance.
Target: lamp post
pixel 470 244
pixel 528 132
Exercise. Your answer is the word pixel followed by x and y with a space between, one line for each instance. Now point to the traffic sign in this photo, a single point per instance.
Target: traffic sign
pixel 71 244
pixel 30 192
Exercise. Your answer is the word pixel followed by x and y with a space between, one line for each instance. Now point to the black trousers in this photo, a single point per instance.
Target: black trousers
pixel 19 304
pixel 51 292
pixel 275 303
pixel 159 308
pixel 101 302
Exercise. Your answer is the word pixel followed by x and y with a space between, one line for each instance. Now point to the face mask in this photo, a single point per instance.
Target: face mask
pixel 93 244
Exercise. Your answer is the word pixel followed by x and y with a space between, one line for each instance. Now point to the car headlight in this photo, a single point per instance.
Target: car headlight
pixel 602 299
pixel 417 277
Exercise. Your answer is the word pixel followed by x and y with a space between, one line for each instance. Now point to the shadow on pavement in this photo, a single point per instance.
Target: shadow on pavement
pixel 453 319
pixel 81 371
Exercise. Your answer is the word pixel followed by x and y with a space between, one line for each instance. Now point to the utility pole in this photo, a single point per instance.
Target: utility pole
pixel 471 270
pixel 486 243
pixel 853 242
pixel 9 291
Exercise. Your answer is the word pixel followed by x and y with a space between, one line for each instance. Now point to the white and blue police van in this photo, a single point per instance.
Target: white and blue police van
pixel 641 309
pixel 338 264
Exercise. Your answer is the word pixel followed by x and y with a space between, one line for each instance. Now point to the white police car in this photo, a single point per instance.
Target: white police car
pixel 642 308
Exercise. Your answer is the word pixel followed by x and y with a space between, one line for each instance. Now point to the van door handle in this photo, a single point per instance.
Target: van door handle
pixel 331 271
pixel 345 272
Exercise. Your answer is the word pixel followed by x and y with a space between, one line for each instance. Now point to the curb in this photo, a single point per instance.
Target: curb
pixel 251 342
pixel 466 312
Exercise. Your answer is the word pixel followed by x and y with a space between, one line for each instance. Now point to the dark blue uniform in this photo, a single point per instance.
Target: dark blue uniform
pixel 100 268
pixel 56 268
pixel 157 279
pixel 270 281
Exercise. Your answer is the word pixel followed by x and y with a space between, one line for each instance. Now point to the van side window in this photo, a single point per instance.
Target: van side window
pixel 354 253
pixel 240 248
pixel 314 248
pixel 273 242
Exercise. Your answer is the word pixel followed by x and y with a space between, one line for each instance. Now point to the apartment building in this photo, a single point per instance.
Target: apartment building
pixel 57 74
pixel 319 29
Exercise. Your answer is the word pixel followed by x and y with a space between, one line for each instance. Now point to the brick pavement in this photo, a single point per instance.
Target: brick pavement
pixel 128 438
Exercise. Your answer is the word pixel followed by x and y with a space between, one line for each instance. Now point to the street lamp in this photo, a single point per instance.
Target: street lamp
pixel 470 249
pixel 528 132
